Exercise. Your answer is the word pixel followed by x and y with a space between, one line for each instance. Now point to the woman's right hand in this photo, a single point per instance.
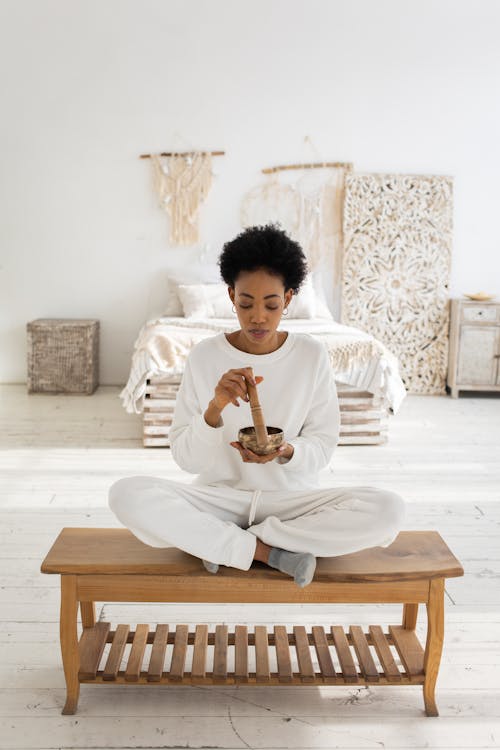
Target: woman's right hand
pixel 233 385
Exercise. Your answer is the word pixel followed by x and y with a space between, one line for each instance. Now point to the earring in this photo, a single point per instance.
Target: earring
pixel 233 309
pixel 285 311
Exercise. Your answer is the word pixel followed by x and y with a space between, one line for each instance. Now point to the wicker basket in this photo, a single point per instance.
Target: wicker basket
pixel 63 355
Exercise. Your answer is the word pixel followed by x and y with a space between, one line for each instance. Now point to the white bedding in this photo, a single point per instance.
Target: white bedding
pixel 357 358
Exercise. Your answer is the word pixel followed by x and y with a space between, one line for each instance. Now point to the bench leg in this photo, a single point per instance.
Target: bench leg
pixel 410 612
pixel 87 610
pixel 434 642
pixel 69 642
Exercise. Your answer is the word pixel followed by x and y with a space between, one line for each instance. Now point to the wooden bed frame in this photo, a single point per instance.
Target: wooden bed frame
pixel 363 418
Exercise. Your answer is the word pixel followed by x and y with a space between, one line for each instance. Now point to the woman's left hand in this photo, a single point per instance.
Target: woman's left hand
pixel 285 450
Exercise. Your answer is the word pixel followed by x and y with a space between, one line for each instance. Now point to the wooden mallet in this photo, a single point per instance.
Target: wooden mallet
pixel 257 415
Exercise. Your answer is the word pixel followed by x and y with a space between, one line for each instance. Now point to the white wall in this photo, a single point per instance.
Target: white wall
pixel 392 85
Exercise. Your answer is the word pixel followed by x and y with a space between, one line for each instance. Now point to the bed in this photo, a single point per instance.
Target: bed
pixel 366 372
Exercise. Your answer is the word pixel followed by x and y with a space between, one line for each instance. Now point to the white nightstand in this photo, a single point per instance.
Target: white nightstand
pixel 474 352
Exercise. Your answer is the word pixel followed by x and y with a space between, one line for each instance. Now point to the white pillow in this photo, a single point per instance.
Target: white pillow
pixel 205 301
pixel 173 308
pixel 303 304
pixel 322 309
pixel 206 274
pixel 310 302
pixel 211 300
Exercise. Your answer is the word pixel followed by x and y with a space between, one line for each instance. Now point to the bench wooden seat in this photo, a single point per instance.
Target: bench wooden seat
pixel 102 564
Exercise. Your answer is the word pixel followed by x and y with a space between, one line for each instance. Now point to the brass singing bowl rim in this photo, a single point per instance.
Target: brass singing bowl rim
pixel 247 435
pixel 270 430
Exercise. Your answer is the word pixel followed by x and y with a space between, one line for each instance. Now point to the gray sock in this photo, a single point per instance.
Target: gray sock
pixel 211 567
pixel 300 565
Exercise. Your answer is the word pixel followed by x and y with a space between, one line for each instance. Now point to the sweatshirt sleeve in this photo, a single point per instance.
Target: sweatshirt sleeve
pixel 314 446
pixel 195 445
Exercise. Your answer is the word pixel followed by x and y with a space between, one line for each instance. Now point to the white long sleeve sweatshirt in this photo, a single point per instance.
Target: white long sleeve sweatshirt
pixel 298 394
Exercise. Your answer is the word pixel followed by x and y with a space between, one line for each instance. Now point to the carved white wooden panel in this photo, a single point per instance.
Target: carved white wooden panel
pixel 397 247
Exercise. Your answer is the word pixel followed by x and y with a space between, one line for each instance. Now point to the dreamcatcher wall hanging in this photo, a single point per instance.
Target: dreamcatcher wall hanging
pixel 310 210
pixel 311 215
pixel 182 182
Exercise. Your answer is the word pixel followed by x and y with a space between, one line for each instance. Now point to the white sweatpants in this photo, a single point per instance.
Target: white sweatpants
pixel 220 524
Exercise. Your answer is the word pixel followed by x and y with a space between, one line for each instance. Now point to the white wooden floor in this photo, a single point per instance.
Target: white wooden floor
pixel 58 456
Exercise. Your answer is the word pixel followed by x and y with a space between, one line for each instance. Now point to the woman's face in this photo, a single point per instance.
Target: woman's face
pixel 259 298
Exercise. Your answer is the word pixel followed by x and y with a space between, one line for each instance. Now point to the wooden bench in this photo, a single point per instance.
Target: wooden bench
pixel 102 564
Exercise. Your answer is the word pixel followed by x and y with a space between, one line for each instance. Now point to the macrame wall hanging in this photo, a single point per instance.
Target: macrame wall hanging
pixel 310 209
pixel 397 249
pixel 182 181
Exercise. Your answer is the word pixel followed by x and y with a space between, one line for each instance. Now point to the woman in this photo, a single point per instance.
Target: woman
pixel 241 506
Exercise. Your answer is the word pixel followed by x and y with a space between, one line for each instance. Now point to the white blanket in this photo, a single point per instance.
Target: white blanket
pixel 357 358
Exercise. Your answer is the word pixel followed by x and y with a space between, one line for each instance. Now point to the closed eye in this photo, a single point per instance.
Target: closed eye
pixel 247 307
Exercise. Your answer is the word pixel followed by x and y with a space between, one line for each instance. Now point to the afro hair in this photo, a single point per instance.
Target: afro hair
pixel 267 247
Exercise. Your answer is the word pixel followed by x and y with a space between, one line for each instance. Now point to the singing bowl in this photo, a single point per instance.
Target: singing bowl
pixel 248 439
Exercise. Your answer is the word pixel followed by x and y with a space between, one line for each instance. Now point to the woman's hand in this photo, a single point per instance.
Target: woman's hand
pixel 233 385
pixel 285 450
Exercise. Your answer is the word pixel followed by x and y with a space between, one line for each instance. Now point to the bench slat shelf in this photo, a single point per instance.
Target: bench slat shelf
pixel 357 664
pixel 262 673
pixel 362 649
pixel 323 654
pixel 158 653
pixel 120 638
pixel 92 645
pixel 306 667
pixel 198 668
pixel 241 641
pixel 136 653
pixel 113 565
pixel 379 640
